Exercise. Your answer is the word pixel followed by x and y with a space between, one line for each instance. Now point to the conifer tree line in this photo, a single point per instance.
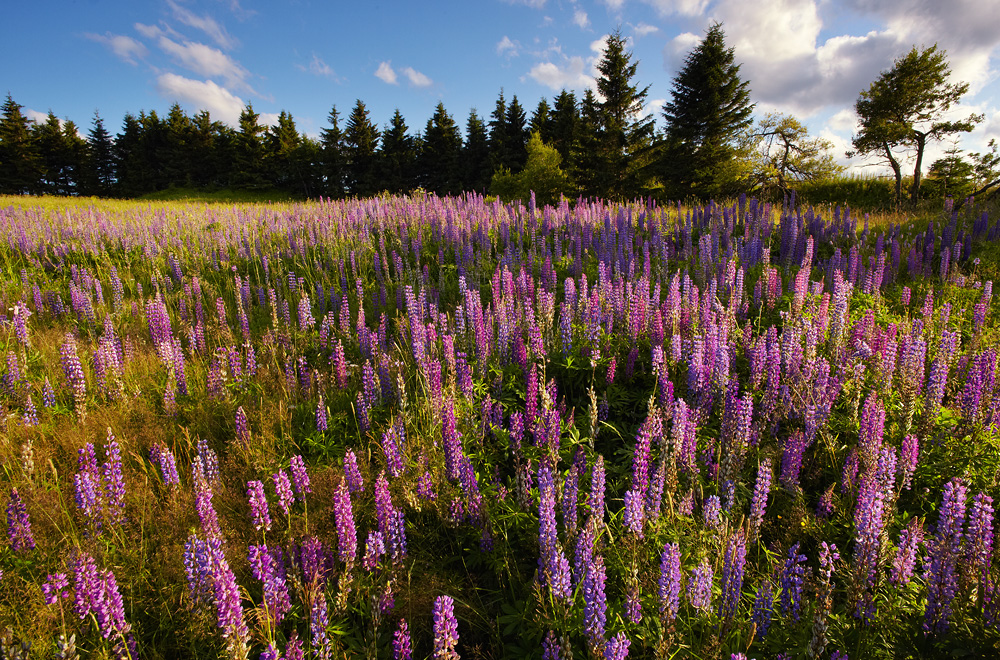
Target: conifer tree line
pixel 603 143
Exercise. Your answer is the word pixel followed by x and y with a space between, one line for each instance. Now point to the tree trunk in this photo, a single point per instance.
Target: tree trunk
pixel 921 141
pixel 894 164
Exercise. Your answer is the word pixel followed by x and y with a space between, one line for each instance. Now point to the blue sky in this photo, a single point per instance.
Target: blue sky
pixel 810 58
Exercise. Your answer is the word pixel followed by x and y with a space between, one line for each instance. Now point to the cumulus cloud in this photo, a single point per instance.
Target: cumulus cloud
pixel 318 67
pixel 614 5
pixel 580 19
pixel 681 7
pixel 534 4
pixel 202 95
pixel 206 24
pixel 206 61
pixel 125 48
pixel 36 116
pixel 385 73
pixel 416 78
pixel 508 48
pixel 644 29
pixel 572 74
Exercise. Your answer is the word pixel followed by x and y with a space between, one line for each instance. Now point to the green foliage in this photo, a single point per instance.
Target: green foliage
pixel 786 156
pixel 541 174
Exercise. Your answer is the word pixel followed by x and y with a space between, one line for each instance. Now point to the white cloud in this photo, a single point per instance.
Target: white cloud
pixel 614 5
pixel 126 48
pixel 508 48
pixel 580 19
pixel 534 4
pixel 571 75
pixel 202 95
pixel 682 7
pixel 206 24
pixel 318 67
pixel 36 116
pixel 843 121
pixel 416 78
pixel 386 74
pixel 268 118
pixel 206 61
pixel 644 29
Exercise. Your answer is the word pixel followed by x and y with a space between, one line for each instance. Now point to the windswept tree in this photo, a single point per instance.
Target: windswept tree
pixel 707 117
pixel 787 155
pixel 905 109
pixel 626 133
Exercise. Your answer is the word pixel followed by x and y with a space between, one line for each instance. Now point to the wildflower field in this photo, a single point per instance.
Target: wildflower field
pixel 412 427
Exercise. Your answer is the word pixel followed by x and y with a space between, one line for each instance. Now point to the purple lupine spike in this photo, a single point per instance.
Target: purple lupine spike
pixel 321 415
pixel 391 440
pixel 732 575
pixel 909 456
pixel 300 477
pixel 445 629
pixel 352 474
pixel 700 586
pixel 594 602
pixel 792 583
pixel 242 426
pixel 758 503
pixel 617 647
pixel 570 493
pixel 164 459
pixel 283 488
pixel 268 566
pixel 824 599
pixel 596 501
pixel 347 535
pixel 259 513
pixel 551 649
pixel 633 602
pixel 374 549
pixel 910 540
pixel 940 571
pixel 74 374
pixel 87 487
pixel 670 581
pixel 763 607
pixel 711 512
pixel 48 394
pixel 402 648
pixel 391 521
pixel 979 538
pixel 19 524
pixel 114 481
pixel 451 439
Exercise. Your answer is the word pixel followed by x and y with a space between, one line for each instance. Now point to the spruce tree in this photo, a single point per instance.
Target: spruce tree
pixel 476 169
pixel 332 156
pixel 439 155
pixel 360 142
pixel 588 167
pixel 100 168
pixel 398 156
pixel 20 166
pixel 61 155
pixel 709 109
pixel 541 121
pixel 626 135
pixel 249 162
pixel 565 122
pixel 498 133
pixel 516 138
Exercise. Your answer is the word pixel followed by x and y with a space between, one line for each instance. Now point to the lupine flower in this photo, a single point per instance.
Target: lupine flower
pixel 824 599
pixel 763 607
pixel 732 574
pixel 18 524
pixel 633 602
pixel 711 511
pixel 402 649
pixel 283 488
pixel 617 647
pixel 242 426
pixel 390 520
pixel 700 586
pixel 792 583
pixel 940 572
pixel 347 535
pixel 594 602
pixel 259 513
pixel 979 538
pixel 908 458
pixel 391 440
pixel 300 477
pixel 74 374
pixel 203 503
pixel 114 481
pixel 54 588
pixel 355 482
pixel 551 650
pixel 758 503
pixel 164 459
pixel 321 422
pixel 906 553
pixel 445 629
pixel 268 566
pixel 670 581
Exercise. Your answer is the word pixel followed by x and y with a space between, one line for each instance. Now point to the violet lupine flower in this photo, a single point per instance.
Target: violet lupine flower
pixel 30 416
pixel 596 500
pixel 229 610
pixel 268 566
pixel 824 599
pixel 321 419
pixel 114 481
pixel 54 588
pixel 617 647
pixel 711 512
pixel 551 650
pixel 758 503
pixel 700 586
pixel 909 455
pixel 164 459
pixel 595 604
pixel 633 602
pixel 732 574
pixel 570 493
pixel 670 581
pixel 391 440
pixel 96 594
pixel 452 441
pixel 402 648
pixel 425 487
pixel 87 488
pixel 48 394
pixel 445 629
pixel 270 653
pixel 259 513
pixel 300 477
pixel 763 607
pixel 791 460
pixel 203 503
pixel 294 650
pixel 74 374
pixel 391 521
pixel 940 572
pixel 979 538
pixel 792 583
pixel 352 474
pixel 18 524
pixel 347 535
pixel 839 655
pixel 374 549
pixel 910 540
pixel 242 426
pixel 555 567
pixel 283 488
